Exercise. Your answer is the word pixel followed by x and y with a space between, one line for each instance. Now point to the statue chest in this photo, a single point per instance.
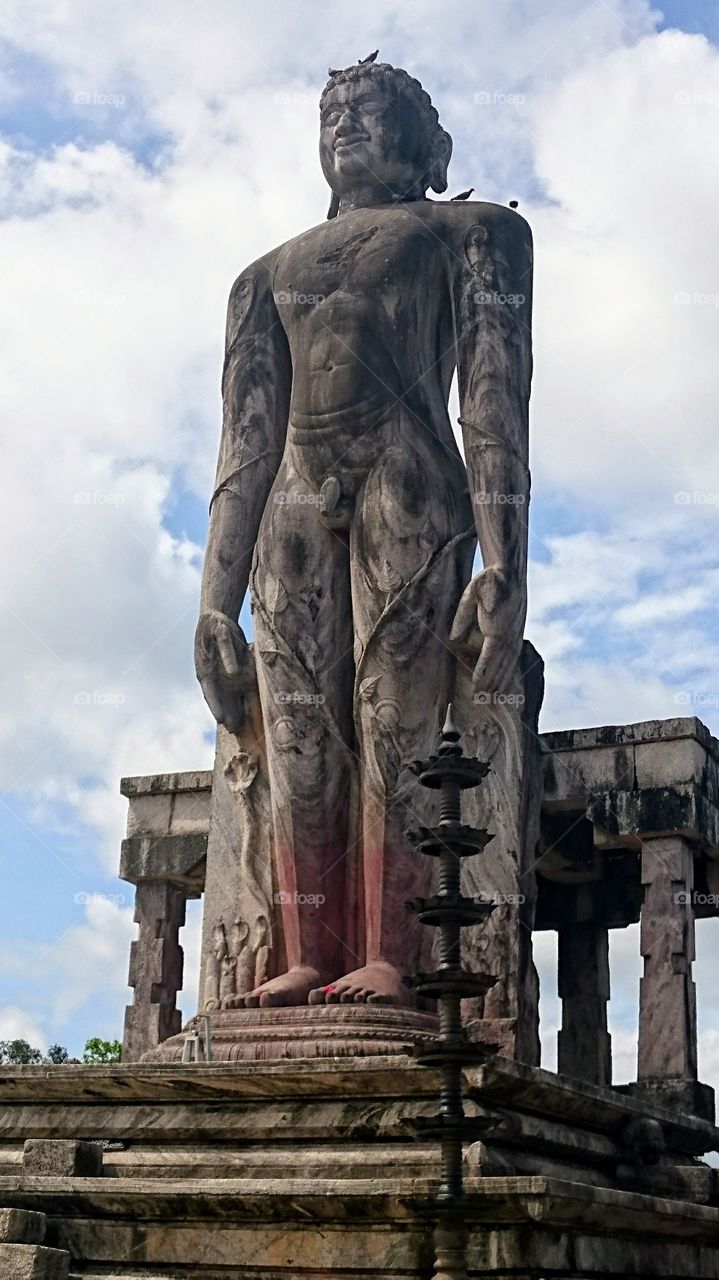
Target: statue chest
pixel 384 261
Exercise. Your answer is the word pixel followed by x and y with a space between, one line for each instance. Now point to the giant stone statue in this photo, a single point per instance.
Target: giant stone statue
pixel 343 502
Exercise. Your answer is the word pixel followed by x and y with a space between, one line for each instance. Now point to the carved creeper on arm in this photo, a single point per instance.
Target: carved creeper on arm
pixel 492 316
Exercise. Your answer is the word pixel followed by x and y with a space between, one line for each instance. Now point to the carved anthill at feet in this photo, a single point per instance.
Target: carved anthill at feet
pixel 342 501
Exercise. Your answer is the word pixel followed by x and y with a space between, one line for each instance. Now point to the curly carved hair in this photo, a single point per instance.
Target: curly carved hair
pixel 437 141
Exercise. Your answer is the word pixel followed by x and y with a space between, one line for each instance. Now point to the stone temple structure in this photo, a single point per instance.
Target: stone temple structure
pixel 286 1130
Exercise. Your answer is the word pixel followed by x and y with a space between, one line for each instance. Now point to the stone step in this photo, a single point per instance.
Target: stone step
pixel 323 1160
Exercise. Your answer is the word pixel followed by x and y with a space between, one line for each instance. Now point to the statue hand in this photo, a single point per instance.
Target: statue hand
pixel 489 622
pixel 225 668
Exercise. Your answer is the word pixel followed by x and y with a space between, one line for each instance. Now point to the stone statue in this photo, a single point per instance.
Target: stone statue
pixel 244 956
pixel 261 952
pixel 213 975
pixel 343 502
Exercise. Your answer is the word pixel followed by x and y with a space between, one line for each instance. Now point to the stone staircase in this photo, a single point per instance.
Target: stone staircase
pixel 313 1169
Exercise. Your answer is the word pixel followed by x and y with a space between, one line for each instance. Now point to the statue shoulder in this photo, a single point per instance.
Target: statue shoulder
pixel 257 277
pixel 465 221
pixel 251 310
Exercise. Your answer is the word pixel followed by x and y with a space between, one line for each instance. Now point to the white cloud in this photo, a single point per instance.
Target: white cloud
pixel 627 267
pixel 17 1024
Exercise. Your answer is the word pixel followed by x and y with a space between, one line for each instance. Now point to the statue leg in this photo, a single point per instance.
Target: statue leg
pixel 303 645
pixel 411 547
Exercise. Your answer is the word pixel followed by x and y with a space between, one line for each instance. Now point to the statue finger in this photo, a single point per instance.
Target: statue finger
pixel 466 616
pixel 488 672
pixel 227 654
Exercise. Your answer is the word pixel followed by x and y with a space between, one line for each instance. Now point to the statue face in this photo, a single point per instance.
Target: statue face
pixel 370 136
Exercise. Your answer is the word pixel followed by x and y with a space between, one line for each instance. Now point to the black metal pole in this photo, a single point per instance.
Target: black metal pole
pixel 450 772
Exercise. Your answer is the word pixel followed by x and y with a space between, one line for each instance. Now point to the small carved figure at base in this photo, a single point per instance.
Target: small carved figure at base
pixel 376 983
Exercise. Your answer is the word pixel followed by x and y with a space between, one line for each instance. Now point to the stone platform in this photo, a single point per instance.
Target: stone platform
pixel 314 1169
pixel 318 1031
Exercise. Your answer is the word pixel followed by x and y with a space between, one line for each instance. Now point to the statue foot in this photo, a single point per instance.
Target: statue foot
pixel 377 983
pixel 289 988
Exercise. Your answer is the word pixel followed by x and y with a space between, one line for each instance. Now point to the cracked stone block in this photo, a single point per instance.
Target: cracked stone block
pixel 33 1262
pixel 61 1158
pixel 21 1226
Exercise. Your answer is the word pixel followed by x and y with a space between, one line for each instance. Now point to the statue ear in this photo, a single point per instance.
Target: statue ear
pixel 437 175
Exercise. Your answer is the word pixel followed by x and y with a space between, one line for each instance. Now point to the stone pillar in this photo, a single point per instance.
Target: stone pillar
pixel 667 1062
pixel 667 1001
pixel 155 968
pixel 584 1044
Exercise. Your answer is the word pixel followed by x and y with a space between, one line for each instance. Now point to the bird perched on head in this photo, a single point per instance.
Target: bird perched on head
pixel 513 204
pixel 370 58
pixel 464 195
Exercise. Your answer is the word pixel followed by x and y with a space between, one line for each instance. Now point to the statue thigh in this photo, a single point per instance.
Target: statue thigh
pixel 411 550
pixel 303 645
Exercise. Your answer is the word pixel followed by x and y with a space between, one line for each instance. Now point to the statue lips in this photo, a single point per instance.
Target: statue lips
pixel 343 144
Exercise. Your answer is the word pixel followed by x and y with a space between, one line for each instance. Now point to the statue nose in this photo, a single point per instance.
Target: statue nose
pixel 347 123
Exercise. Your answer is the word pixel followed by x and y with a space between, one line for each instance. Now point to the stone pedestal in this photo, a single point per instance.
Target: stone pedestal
pixel 310 1031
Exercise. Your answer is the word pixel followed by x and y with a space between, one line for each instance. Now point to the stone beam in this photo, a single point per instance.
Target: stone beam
pixel 178 858
pixel 655 777
pixel 612 901
pixel 168 804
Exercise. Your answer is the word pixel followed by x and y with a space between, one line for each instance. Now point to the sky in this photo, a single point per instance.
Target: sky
pixel 150 152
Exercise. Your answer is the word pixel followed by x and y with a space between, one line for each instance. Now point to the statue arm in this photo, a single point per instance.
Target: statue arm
pixel 256 385
pixel 492 315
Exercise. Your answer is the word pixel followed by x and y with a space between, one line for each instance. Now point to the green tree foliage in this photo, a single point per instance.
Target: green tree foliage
pixel 18 1053
pixel 57 1053
pixel 97 1050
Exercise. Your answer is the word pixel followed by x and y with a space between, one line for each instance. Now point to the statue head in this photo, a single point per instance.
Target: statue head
pixel 379 132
